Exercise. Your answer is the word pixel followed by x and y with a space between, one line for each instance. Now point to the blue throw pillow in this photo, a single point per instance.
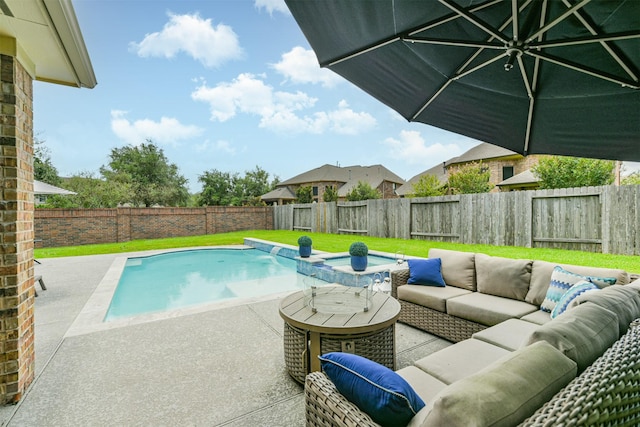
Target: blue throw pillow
pixel 576 290
pixel 426 272
pixel 383 394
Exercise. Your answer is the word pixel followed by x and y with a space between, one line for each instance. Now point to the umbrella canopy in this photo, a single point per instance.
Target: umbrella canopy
pixel 533 76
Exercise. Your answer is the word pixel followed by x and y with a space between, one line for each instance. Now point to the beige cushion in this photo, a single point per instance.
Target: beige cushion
pixel 458 268
pixel 582 334
pixel 429 296
pixel 541 277
pixel 538 317
pixel 421 382
pixel 486 309
pixel 510 334
pixel 624 300
pixel 460 360
pixel 503 277
pixel 505 393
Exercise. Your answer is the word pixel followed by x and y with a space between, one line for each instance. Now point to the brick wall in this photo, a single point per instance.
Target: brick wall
pixel 69 227
pixel 17 353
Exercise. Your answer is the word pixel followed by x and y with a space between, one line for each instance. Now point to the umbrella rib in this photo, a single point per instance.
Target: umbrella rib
pixel 525 78
pixel 621 61
pixel 515 15
pixel 475 21
pixel 556 21
pixel 451 17
pixel 585 40
pixel 583 69
pixel 459 43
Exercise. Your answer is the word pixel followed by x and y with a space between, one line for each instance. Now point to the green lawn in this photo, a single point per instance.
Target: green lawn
pixel 340 243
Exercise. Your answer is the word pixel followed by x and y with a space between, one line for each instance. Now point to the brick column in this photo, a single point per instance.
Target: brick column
pixel 17 292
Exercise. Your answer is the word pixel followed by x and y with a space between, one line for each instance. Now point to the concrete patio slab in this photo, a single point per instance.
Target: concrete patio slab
pixel 223 366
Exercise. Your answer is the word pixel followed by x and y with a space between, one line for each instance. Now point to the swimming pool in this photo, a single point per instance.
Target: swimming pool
pixel 186 278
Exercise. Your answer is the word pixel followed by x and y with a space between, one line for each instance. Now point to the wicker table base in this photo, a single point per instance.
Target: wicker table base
pixel 373 338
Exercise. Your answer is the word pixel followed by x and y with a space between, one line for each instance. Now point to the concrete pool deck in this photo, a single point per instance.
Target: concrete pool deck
pixel 221 365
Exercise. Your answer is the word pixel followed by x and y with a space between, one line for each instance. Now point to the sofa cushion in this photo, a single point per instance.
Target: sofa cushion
pixel 506 392
pixel 541 277
pixel 624 300
pixel 458 268
pixel 571 294
pixel 582 334
pixel 429 296
pixel 460 360
pixel 383 394
pixel 538 317
pixel 503 277
pixel 425 272
pixel 562 280
pixel 486 309
pixel 425 385
pixel 510 334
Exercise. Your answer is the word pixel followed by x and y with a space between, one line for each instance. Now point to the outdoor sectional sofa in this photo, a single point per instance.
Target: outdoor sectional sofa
pixel 511 363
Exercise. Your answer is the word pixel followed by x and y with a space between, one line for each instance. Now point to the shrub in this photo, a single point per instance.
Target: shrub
pixel 358 249
pixel 304 241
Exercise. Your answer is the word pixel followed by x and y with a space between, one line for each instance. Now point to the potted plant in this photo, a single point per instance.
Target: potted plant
pixel 358 252
pixel 304 246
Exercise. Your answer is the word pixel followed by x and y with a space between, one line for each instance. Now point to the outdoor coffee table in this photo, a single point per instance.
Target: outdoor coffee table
pixel 339 323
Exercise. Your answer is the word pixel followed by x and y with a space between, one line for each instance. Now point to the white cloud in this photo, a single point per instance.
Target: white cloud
pixel 197 37
pixel 272 5
pixel 300 66
pixel 413 149
pixel 278 111
pixel 220 145
pixel 168 131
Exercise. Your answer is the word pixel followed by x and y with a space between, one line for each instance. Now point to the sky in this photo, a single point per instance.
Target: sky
pixel 226 85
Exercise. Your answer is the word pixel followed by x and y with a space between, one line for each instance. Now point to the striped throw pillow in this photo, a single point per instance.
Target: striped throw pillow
pixel 576 290
pixel 562 280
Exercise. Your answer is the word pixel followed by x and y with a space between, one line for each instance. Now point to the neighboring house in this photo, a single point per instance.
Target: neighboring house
pixel 343 179
pixel 509 170
pixel 42 190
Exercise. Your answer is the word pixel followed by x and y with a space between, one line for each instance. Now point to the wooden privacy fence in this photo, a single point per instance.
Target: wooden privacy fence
pixel 597 219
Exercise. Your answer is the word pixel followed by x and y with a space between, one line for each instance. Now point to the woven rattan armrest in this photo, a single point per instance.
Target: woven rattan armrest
pixel 607 393
pixel 325 406
pixel 398 278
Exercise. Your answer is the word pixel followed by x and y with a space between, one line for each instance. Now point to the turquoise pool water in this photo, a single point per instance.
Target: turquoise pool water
pixel 372 261
pixel 181 279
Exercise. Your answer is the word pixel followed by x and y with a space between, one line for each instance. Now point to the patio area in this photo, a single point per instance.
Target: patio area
pixel 219 367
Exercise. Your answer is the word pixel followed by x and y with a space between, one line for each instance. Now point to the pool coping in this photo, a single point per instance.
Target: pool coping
pixel 90 319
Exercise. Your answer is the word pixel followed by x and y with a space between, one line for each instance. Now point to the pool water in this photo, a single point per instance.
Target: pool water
pixel 186 278
pixel 372 261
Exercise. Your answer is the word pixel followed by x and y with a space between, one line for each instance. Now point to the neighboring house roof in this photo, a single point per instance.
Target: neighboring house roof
pixel 280 193
pixel 49 43
pixel 438 171
pixel 40 187
pixel 483 151
pixel 328 173
pixel 523 178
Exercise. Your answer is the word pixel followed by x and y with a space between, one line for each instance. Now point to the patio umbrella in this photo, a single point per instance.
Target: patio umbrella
pixel 533 76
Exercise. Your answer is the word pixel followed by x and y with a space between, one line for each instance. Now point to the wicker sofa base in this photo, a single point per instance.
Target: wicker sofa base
pixel 606 394
pixel 438 323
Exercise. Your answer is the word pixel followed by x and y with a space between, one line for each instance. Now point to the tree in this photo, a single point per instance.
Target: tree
pixel 567 172
pixel 362 191
pixel 224 189
pixel 470 178
pixel 330 194
pixel 428 186
pixel 152 178
pixel 633 179
pixel 91 192
pixel 43 169
pixel 304 194
pixel 216 188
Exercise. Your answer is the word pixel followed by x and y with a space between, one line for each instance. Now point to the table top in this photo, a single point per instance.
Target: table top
pixel 384 311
